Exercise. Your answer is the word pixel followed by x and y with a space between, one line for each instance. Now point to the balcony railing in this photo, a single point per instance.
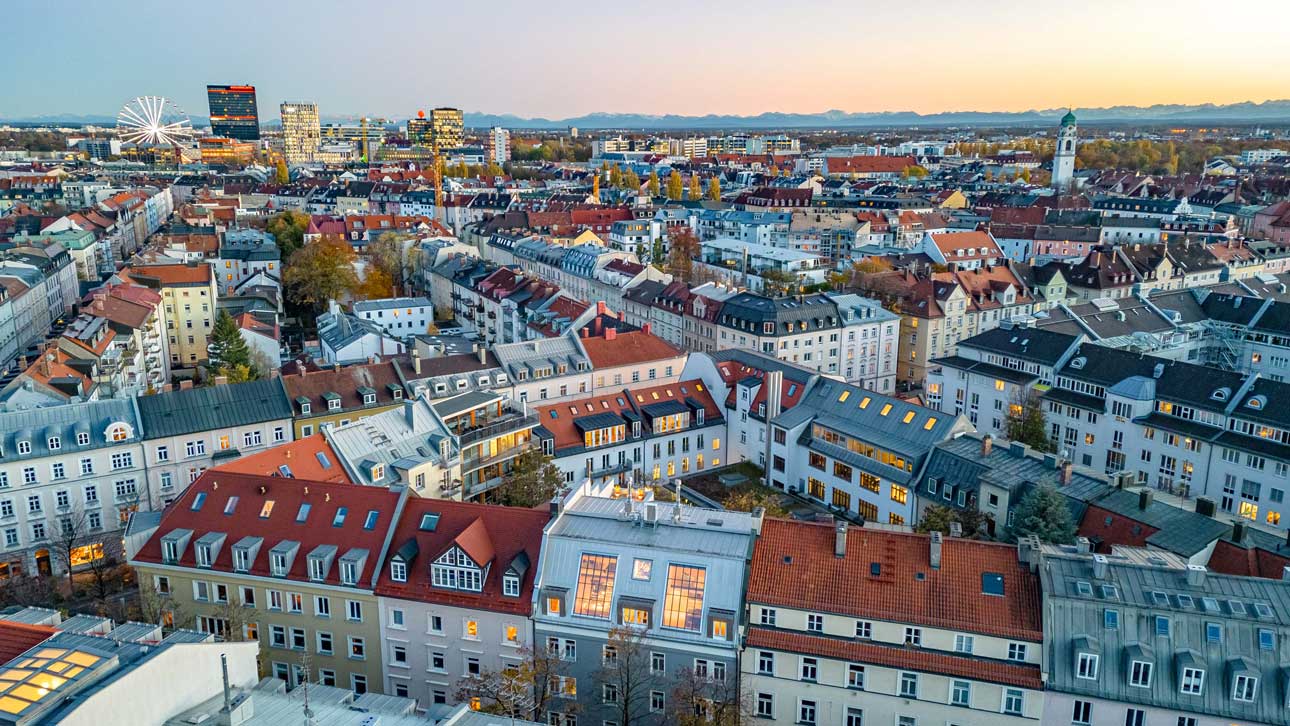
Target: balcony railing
pixel 498 427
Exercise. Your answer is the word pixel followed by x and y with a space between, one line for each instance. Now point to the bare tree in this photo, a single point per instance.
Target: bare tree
pixel 711 696
pixel 161 608
pixel 625 674
pixel 72 543
pixel 519 691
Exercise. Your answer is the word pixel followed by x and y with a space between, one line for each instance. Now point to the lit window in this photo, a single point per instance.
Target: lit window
pixel 683 599
pixel 595 585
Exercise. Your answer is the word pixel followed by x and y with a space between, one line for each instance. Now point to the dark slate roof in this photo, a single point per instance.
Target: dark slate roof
pixel 1045 347
pixel 175 413
pixel 986 369
pixel 1182 531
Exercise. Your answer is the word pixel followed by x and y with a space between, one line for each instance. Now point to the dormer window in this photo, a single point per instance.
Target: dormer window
pixel 317 569
pixel 203 552
pixel 24 447
pixel 333 404
pixel 241 560
pixel 398 394
pixel 368 399
pixel 511 586
pixel 378 472
pixel 306 408
pixel 348 573
pixel 278 564
pixel 398 571
pixel 55 443
pixel 170 551
pixel 698 417
pixel 82 439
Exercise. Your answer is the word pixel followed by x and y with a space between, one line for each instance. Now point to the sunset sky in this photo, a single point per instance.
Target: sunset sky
pixel 559 59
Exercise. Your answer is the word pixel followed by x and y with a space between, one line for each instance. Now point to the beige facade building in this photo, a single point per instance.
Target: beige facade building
pixel 301 132
pixel 188 293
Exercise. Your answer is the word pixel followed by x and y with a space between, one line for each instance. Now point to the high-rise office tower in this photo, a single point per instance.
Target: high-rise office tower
pixel 447 127
pixel 301 133
pixel 233 112
pixel 419 129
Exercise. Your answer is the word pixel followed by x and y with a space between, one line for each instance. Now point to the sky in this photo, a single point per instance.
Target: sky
pixel 559 59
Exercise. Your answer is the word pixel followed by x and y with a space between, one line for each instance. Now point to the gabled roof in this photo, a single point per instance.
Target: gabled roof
pixel 311 458
pixel 793 565
pixel 174 413
pixel 627 348
pixel 271 508
pixel 500 538
pixel 314 386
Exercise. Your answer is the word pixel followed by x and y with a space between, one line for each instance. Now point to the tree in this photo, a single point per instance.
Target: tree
pixel 695 193
pixel 749 498
pixel 626 673
pixel 776 282
pixel 228 349
pixel 714 189
pixel 1043 512
pixel 914 172
pixel 704 699
pixel 532 481
pixel 288 228
pixel 631 182
pixel 72 544
pixel 519 691
pixel 160 608
pixel 321 271
pixel 657 251
pixel 1025 421
pixel 616 177
pixel 376 285
pixel 937 518
pixel 281 174
pixel 386 254
pixel 683 248
pixel 653 183
pixel 675 186
pixel 1024 175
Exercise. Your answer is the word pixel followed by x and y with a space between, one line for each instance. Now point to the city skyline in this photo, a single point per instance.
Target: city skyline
pixel 717 61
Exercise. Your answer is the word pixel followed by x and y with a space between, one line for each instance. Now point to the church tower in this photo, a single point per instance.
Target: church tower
pixel 1064 159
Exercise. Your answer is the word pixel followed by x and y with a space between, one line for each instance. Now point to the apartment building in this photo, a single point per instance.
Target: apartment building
pixel 456 595
pixel 290 563
pixel 339 395
pixel 245 255
pixel 401 317
pixel 120 339
pixel 458 447
pixel 1140 637
pixel 863 450
pixel 301 132
pixel 865 626
pixel 189 294
pixel 75 470
pixel 189 431
pixel 665 579
pixel 638 434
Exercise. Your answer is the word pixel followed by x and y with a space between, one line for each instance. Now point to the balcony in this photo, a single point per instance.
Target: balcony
pixel 483 461
pixel 511 420
pixel 612 469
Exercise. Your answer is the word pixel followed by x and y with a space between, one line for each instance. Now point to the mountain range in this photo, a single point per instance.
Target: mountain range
pixel 1247 112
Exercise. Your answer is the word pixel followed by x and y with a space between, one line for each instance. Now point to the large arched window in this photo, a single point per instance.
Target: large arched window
pixel 118 432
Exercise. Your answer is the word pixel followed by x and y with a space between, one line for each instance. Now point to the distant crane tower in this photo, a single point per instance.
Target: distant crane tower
pixel 363 129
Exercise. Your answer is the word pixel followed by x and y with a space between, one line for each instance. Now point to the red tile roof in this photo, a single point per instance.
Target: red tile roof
pixel 560 418
pixel 1233 559
pixel 949 243
pixel 732 372
pixel 344 382
pixel 793 566
pixel 281 523
pixel 619 349
pixel 927 661
pixel 168 275
pixel 18 638
pixel 869 164
pixel 300 456
pixel 488 533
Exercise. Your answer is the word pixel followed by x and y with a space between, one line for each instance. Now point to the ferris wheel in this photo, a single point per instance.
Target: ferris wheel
pixel 154 121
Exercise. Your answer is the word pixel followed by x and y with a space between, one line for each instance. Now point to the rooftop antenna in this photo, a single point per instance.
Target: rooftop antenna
pixel 228 696
pixel 676 513
pixel 304 687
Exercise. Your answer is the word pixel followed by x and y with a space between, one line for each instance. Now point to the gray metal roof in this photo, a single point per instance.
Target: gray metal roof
pixel 1143 589
pixel 66 422
pixel 175 413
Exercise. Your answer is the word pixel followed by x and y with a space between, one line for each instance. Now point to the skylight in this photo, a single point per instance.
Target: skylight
pixel 198 501
pixel 267 509
pixel 370 522
pixel 429 521
pixel 886 409
pixel 231 505
pixel 991 583
pixel 909 416
pixel 303 514
pixel 339 519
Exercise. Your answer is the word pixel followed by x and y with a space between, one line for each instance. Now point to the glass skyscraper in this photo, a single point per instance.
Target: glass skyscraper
pixel 233 112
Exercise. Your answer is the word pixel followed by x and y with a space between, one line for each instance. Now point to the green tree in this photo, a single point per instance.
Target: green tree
pixel 695 193
pixel 653 183
pixel 288 228
pixel 657 251
pixel 1043 512
pixel 675 186
pixel 1025 421
pixel 228 349
pixel 280 172
pixel 320 271
pixel 532 481
pixel 937 518
pixel 776 282
pixel 714 189
pixel 749 498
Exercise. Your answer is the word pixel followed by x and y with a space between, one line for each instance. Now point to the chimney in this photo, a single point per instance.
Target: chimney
pixel 1195 575
pixel 220 380
pixel 622 316
pixel 1285 573
pixel 185 384
pixel 840 539
pixel 1205 506
pixel 416 360
pixel 1238 532
pixel 934 553
pixel 774 384
pixel 601 307
pixel 482 352
pixel 611 333
pixel 1083 544
pixel 409 410
pixel 1100 565
pixel 987 444
pixel 555 507
pixel 1144 498
pixel 1066 469
pixel 645 328
pixel 582 332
